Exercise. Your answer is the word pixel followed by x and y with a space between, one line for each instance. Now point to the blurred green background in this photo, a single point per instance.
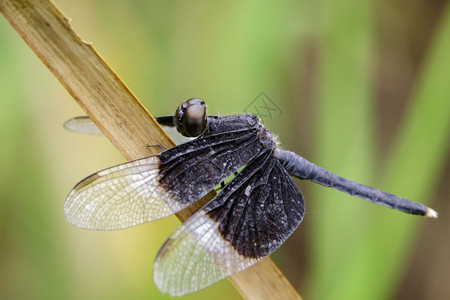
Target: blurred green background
pixel 363 88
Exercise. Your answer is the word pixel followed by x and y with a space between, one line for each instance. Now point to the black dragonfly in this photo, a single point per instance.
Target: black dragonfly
pixel 250 217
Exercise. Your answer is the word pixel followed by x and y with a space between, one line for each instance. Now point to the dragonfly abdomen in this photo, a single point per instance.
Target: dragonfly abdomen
pixel 303 169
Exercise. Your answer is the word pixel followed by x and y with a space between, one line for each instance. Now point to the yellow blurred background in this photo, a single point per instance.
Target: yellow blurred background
pixel 362 90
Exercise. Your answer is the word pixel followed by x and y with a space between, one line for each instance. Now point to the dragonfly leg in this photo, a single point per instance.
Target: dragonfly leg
pixel 157 145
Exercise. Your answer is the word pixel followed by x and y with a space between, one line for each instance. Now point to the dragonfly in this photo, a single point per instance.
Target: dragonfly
pixel 256 208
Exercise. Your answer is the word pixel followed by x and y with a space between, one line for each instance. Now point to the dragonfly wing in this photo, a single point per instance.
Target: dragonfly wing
pixel 250 218
pixel 157 186
pixel 82 124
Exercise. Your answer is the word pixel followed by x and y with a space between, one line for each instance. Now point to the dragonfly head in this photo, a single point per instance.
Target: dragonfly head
pixel 190 117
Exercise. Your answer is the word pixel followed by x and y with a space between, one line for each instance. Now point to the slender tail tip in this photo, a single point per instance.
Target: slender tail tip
pixel 431 213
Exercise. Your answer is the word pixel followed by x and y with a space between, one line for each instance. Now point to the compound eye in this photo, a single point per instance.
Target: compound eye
pixel 190 117
pixel 194 102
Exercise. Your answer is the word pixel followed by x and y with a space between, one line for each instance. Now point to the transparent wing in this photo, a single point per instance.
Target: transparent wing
pixel 119 197
pixel 158 186
pixel 250 218
pixel 83 124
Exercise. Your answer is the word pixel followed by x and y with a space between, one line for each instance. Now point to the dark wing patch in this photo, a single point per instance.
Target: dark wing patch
pixel 158 186
pixel 263 209
pixel 189 171
pixel 250 218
